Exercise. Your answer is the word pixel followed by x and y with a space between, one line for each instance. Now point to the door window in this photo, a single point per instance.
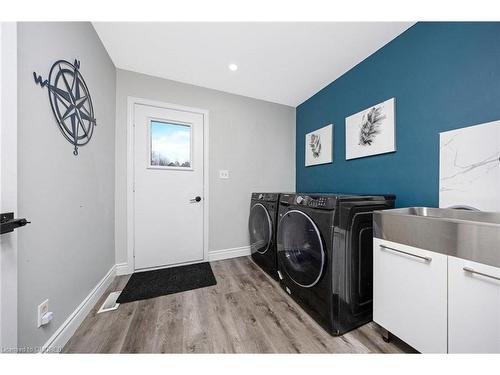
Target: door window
pixel 260 227
pixel 300 248
pixel 170 145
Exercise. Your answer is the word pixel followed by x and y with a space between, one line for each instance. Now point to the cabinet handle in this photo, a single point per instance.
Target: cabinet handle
pixel 471 270
pixel 427 259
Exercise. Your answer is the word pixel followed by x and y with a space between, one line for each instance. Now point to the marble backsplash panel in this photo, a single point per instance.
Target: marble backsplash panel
pixel 469 171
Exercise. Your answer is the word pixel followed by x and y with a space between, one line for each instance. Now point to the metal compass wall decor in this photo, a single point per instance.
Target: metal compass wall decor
pixel 70 101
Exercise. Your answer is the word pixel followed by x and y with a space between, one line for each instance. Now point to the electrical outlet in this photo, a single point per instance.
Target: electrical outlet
pixel 43 309
pixel 224 174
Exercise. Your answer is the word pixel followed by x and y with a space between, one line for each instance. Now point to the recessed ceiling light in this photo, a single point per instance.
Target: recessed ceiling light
pixel 233 67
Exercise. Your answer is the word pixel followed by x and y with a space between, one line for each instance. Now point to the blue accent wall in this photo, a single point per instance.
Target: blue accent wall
pixel 443 75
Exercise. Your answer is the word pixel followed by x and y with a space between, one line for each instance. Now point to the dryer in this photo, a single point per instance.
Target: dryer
pixel 324 252
pixel 262 229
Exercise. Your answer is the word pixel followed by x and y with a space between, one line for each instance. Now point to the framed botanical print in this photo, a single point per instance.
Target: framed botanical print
pixel 319 146
pixel 371 131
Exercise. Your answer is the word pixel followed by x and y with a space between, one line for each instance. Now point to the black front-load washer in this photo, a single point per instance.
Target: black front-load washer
pixel 262 228
pixel 325 255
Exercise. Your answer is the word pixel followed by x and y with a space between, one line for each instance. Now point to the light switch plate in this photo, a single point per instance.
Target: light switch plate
pixel 43 309
pixel 223 173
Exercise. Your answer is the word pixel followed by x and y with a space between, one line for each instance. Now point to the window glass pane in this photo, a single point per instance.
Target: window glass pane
pixel 170 145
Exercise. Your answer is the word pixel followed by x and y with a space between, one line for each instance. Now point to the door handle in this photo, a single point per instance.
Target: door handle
pixel 8 223
pixel 427 259
pixel 472 270
pixel 195 199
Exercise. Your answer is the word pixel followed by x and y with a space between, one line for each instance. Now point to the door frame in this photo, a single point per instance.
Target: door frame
pixel 131 102
pixel 8 184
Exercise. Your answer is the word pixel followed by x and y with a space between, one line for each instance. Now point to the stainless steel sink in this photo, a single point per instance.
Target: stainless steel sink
pixel 449 214
pixel 472 235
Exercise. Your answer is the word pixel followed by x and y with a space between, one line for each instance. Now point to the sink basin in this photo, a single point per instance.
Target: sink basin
pixel 471 235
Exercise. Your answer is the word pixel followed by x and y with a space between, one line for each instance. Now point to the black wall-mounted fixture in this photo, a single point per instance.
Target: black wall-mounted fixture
pixel 8 223
pixel 70 100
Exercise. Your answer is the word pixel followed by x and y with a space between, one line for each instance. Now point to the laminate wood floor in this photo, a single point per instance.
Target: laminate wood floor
pixel 246 312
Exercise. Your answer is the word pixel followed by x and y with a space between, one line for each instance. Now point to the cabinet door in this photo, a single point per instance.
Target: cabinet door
pixel 410 294
pixel 473 307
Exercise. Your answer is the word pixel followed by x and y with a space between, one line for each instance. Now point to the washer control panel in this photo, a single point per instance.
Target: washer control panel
pixel 320 201
pixel 327 201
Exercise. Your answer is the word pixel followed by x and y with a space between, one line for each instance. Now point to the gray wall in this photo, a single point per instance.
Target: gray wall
pixel 69 247
pixel 253 139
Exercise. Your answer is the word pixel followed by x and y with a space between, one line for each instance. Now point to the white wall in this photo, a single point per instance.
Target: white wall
pixel 69 246
pixel 253 139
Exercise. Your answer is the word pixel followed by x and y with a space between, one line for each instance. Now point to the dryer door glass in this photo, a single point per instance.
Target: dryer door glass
pixel 261 228
pixel 300 248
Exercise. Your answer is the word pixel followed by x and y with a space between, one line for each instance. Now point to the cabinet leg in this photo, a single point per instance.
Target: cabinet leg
pixel 386 335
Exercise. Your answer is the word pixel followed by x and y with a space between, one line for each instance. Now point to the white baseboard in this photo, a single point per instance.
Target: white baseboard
pixel 235 252
pixel 229 253
pixel 123 269
pixel 68 328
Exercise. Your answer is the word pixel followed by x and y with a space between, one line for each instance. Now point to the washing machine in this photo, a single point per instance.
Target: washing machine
pixel 262 229
pixel 325 255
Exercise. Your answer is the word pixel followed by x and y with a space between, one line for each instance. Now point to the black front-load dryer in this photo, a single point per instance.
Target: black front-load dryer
pixel 325 254
pixel 262 228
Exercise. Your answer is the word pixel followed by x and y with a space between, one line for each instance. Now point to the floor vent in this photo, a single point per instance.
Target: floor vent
pixel 110 303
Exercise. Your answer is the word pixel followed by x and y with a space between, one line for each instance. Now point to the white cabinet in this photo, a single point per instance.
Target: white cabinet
pixel 410 294
pixel 473 307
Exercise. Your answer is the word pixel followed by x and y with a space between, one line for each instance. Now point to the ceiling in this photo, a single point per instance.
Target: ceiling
pixel 284 63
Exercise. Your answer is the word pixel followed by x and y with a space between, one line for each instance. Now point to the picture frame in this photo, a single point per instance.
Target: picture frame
pixel 371 131
pixel 319 146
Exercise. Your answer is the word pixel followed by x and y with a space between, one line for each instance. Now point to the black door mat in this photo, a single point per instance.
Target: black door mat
pixel 156 283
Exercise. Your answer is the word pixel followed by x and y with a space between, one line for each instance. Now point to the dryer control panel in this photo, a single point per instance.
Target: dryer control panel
pixel 267 197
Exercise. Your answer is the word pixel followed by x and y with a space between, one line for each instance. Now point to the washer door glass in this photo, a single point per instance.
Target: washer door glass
pixel 300 248
pixel 261 228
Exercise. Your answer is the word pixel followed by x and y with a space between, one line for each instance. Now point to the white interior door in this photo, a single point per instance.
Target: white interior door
pixel 8 184
pixel 168 186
